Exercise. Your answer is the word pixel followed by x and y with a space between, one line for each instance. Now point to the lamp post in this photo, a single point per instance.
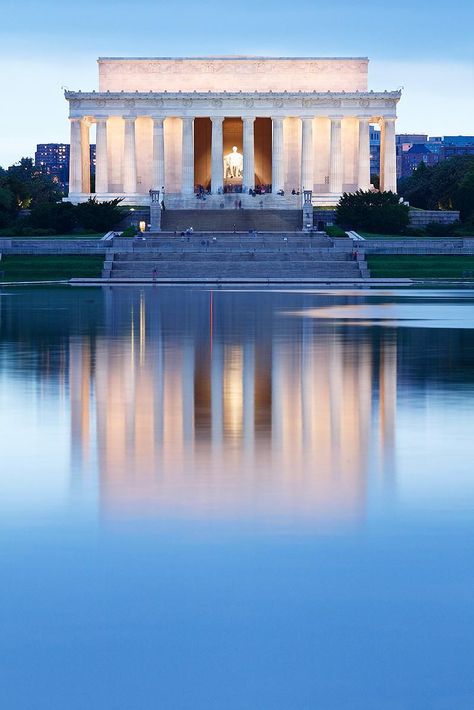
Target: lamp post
pixel 307 210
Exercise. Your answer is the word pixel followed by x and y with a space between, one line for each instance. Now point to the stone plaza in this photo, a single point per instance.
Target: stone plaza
pixel 222 127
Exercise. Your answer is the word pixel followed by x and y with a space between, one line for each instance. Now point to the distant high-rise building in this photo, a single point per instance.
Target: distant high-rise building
pixel 53 159
pixel 374 137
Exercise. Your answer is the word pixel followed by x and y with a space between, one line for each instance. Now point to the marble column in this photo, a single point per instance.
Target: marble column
pixel 278 167
pixel 85 157
pixel 388 159
pixel 363 180
pixel 101 157
pixel 129 158
pixel 217 155
pixel 187 180
pixel 307 153
pixel 75 158
pixel 335 157
pixel 158 160
pixel 248 179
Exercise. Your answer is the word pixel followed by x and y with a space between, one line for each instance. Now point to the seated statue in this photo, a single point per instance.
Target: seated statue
pixel 233 164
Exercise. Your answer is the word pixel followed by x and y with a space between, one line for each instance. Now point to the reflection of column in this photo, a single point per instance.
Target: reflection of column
pixel 75 157
pixel 101 159
pixel 217 158
pixel 363 181
pixel 85 157
pixel 187 186
pixel 249 392
pixel 365 397
pixel 216 393
pixel 388 160
pixel 129 158
pixel 233 391
pixel 335 158
pixel 278 410
pixel 79 395
pixel 278 177
pixel 248 179
pixel 388 401
pixel 307 154
pixel 188 393
pixel 158 169
pixel 336 376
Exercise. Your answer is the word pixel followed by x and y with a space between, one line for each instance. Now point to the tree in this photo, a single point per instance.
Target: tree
pixel 29 186
pixel 99 216
pixel 464 196
pixel 58 216
pixel 7 206
pixel 417 188
pixel 378 212
pixel 444 186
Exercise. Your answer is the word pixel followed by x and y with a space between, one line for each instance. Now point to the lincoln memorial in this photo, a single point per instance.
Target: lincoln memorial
pixel 222 125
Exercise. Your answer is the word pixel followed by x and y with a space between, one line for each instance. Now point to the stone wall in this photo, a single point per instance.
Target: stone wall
pixel 421 218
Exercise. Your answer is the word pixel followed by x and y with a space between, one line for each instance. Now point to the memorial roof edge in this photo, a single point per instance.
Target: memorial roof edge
pixel 244 57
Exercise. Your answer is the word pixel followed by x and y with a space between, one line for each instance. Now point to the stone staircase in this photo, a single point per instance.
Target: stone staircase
pixel 234 258
pixel 232 220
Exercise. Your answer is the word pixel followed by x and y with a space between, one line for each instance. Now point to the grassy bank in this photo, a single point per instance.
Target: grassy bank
pixel 421 266
pixel 369 235
pixel 47 268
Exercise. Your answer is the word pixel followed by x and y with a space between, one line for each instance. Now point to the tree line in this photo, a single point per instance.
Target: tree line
pixel 31 204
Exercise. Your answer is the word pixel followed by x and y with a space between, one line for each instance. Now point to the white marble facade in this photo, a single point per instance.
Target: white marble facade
pixel 145 110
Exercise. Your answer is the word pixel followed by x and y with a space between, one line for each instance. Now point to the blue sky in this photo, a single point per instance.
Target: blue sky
pixel 425 47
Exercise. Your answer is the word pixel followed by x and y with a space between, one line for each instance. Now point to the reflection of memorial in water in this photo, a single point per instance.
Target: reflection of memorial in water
pixel 203 416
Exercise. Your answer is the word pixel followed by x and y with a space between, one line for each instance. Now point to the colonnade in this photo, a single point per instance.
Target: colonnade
pixel 79 182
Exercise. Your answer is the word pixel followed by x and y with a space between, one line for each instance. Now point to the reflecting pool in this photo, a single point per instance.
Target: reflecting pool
pixel 236 499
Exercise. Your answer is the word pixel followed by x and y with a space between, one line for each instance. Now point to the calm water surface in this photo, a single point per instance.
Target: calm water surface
pixel 236 499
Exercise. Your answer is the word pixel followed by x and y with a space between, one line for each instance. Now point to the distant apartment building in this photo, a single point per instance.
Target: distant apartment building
pixel 418 153
pixel 53 160
pixel 405 142
pixel 435 143
pixel 457 145
pixel 415 148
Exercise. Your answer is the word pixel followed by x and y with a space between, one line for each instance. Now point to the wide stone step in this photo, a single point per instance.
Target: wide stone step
pixel 226 256
pixel 227 220
pixel 231 269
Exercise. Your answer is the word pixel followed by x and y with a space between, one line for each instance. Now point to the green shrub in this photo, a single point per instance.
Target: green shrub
pixel 22 230
pixel 58 216
pixel 335 231
pixel 99 216
pixel 129 232
pixel 376 212
pixel 36 232
pixel 435 229
pixel 414 232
